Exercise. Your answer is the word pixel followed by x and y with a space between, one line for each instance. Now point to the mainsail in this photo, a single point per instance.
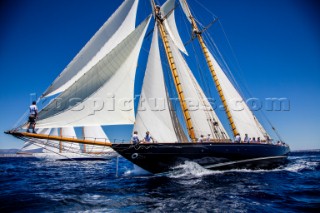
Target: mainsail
pixel 114 30
pixel 91 100
pixel 241 118
pixel 244 119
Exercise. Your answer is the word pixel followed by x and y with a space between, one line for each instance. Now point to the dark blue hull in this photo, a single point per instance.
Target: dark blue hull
pixel 161 157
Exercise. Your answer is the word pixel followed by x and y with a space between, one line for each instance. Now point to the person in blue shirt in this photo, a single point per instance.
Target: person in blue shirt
pixel 148 138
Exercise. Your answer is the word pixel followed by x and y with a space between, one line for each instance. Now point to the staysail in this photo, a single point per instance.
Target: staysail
pixel 95 133
pixel 153 111
pixel 36 145
pixel 104 95
pixel 204 119
pixel 114 30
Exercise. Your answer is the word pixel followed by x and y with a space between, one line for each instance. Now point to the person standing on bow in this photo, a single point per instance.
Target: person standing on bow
pixel 33 113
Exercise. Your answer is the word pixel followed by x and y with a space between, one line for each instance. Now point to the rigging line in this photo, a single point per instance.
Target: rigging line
pixel 25 115
pixel 208 115
pixel 236 59
pixel 243 81
pixel 205 8
pixel 36 144
pixel 172 91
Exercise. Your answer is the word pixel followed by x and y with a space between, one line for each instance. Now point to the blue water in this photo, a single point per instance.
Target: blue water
pixel 31 185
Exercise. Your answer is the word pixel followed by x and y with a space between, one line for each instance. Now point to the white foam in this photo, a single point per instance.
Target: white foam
pixel 190 169
pixel 136 171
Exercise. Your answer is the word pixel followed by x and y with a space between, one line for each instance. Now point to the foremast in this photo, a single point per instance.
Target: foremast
pixel 205 51
pixel 172 65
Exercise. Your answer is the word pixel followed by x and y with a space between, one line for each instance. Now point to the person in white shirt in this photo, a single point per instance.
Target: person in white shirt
pixel 33 114
pixel 200 140
pixel 237 139
pixel 246 138
pixel 208 138
pixel 135 138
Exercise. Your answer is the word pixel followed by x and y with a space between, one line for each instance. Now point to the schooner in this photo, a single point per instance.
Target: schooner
pixel 104 72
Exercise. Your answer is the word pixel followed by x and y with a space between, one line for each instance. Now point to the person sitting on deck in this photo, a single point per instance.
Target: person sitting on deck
pixel 208 138
pixel 32 117
pixel 148 138
pixel 135 139
pixel 258 140
pixel 246 138
pixel 200 140
pixel 237 139
pixel 253 140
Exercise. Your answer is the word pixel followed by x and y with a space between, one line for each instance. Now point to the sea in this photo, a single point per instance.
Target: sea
pixel 116 185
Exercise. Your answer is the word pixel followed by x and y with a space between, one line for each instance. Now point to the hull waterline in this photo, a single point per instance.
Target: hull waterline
pixel 161 157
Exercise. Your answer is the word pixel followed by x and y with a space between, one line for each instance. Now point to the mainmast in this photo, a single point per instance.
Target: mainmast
pixel 211 68
pixel 174 72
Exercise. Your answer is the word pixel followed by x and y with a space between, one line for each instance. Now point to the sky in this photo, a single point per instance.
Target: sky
pixel 273 47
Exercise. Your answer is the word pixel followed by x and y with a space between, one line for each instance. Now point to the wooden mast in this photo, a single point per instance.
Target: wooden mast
pixel 211 68
pixel 174 72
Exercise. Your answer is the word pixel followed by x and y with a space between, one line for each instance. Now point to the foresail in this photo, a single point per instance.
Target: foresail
pixel 115 29
pixel 95 133
pixel 104 95
pixel 244 119
pixel 69 132
pixel 35 145
pixel 204 119
pixel 153 111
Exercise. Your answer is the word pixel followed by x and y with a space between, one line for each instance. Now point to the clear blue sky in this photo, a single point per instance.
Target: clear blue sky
pixel 276 42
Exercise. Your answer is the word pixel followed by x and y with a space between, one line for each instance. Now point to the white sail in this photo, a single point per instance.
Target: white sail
pixel 69 132
pixel 185 9
pixel 95 133
pixel 244 120
pixel 204 119
pixel 115 29
pixel 153 111
pixel 36 145
pixel 170 24
pixel 104 95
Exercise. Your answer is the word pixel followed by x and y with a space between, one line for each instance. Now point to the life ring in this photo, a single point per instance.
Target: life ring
pixel 134 155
